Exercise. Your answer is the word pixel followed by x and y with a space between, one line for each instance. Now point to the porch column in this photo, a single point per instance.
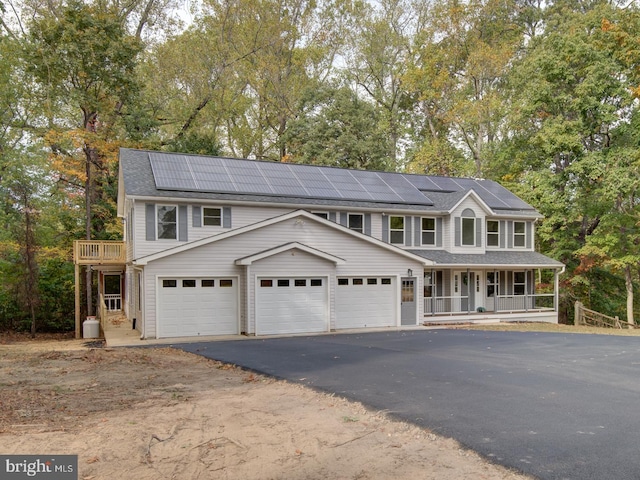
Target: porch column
pixel 469 287
pixel 77 298
pixel 556 290
pixel 526 290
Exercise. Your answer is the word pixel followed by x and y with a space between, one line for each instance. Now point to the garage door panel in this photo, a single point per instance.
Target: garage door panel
pixel 294 308
pixel 363 302
pixel 201 308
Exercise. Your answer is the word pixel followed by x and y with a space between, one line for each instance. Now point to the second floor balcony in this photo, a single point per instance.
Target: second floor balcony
pixel 99 252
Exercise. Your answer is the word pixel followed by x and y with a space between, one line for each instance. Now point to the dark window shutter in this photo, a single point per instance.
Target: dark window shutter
pixel 478 233
pixel 332 216
pixel 226 217
pixel 367 224
pixel 385 228
pixel 150 221
pixel 509 234
pixel 529 234
pixel 503 232
pixel 457 232
pixel 343 219
pixel 407 231
pixel 438 232
pixel 196 212
pixel 417 225
pixel 183 223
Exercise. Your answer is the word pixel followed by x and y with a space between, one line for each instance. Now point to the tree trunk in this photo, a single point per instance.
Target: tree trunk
pixel 629 285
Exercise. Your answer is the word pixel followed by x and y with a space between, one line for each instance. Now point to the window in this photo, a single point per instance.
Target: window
pixel 167 222
pixel 428 231
pixel 316 282
pixel 300 282
pixel 468 232
pixel 266 283
pixel 208 283
pixel 385 281
pixel 396 230
pixel 492 284
pixel 357 281
pixel 188 283
pixel 518 283
pixel 519 235
pixel 212 216
pixel 356 222
pixel 343 281
pixel 283 283
pixel 493 233
pixel 169 283
pixel 324 215
pixel 429 283
pixel 372 281
pixel 226 283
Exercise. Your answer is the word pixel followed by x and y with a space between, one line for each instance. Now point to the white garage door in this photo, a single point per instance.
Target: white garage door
pixel 291 305
pixel 189 307
pixel 365 302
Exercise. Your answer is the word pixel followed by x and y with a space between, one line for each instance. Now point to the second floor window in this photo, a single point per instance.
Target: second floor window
pixel 167 222
pixel 396 230
pixel 468 232
pixel 356 222
pixel 493 233
pixel 519 234
pixel 212 216
pixel 428 231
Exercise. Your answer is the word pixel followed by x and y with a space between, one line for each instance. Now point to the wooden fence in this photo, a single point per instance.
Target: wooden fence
pixel 584 316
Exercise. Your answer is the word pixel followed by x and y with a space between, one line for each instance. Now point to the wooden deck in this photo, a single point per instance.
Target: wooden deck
pixel 99 252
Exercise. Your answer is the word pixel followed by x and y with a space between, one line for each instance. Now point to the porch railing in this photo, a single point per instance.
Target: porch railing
pixel 502 303
pixel 113 301
pixel 99 252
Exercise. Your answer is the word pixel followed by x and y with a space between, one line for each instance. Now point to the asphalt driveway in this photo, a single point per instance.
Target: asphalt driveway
pixel 555 406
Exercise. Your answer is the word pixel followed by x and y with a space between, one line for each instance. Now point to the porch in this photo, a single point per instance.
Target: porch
pixel 108 258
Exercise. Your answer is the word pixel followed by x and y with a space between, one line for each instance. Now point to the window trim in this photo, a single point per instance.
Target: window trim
pixel 157 222
pixel 359 230
pixel 464 220
pixel 423 231
pixel 205 217
pixel 493 234
pixel 396 230
pixel 520 235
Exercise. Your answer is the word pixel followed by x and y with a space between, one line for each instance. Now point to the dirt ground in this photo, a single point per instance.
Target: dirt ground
pixel 166 414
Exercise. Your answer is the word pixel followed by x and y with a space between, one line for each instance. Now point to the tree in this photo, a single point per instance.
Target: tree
pixel 338 129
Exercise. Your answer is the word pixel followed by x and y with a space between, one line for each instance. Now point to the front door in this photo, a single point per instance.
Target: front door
pixel 408 302
pixel 463 287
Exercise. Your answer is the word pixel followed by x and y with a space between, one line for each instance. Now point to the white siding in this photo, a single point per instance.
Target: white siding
pixel 470 203
pixel 217 259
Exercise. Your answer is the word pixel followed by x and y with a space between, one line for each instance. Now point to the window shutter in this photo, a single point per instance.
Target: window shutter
pixel 385 228
pixel 457 232
pixel 196 212
pixel 509 234
pixel 528 234
pixel 438 232
pixel 332 216
pixel 367 224
pixel 226 217
pixel 417 241
pixel 343 219
pixel 407 231
pixel 503 232
pixel 150 221
pixel 478 233
pixel 183 223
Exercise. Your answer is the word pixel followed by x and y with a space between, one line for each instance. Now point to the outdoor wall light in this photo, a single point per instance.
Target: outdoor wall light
pixel 409 273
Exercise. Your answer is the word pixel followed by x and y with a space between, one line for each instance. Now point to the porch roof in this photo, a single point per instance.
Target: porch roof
pixel 442 258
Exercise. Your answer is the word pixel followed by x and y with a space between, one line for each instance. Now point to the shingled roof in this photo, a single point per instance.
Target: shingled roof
pixel 174 175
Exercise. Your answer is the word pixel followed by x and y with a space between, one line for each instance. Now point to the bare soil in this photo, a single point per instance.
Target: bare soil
pixel 165 414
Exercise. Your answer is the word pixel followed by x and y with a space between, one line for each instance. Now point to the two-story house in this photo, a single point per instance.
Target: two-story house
pixel 220 246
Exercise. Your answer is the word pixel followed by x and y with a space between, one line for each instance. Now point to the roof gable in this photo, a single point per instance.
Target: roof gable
pixel 287 247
